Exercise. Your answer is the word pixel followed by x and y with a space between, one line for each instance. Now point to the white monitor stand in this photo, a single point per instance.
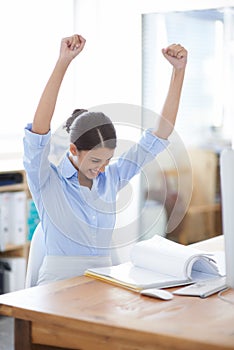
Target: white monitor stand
pixel 227 195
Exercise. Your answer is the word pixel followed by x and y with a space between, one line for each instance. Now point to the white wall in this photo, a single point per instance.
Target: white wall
pixel 111 71
pixel 30 33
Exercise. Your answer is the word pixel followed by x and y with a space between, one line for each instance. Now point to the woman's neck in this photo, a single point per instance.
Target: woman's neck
pixel 84 181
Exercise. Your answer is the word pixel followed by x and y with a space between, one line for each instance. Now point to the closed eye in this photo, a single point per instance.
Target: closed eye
pixel 94 160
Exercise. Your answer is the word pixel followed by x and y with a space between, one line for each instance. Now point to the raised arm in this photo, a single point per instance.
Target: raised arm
pixel 69 49
pixel 177 56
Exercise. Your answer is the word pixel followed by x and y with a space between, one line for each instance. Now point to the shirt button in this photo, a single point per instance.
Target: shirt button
pixel 94 217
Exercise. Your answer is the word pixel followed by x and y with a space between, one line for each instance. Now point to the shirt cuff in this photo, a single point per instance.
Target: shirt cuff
pixel 34 139
pixel 153 143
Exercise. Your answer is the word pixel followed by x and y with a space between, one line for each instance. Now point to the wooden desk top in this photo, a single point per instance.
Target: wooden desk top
pixel 82 308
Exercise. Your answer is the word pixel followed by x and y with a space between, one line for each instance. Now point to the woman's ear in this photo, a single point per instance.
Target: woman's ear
pixel 73 149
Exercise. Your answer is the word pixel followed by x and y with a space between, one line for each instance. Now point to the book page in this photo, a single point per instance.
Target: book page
pixel 215 266
pixel 162 255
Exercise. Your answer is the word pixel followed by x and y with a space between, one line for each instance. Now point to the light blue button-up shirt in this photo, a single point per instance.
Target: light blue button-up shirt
pixel 75 219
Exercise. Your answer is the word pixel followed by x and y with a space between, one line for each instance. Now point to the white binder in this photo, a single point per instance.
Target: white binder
pixel 17 226
pixel 4 219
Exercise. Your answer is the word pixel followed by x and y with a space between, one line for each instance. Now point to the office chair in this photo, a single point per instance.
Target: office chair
pixel 35 258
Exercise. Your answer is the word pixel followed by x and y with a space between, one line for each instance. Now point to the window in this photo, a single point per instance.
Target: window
pixel 206 103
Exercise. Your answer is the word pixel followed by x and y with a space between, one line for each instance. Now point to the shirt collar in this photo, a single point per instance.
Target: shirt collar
pixel 66 167
pixel 68 170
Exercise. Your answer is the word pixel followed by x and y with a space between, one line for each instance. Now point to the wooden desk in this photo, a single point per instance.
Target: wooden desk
pixel 86 314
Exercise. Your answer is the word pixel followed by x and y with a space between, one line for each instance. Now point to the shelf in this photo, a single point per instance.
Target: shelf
pixel 16 181
pixel 205 208
pixel 13 188
pixel 11 247
pixel 16 251
pixel 200 217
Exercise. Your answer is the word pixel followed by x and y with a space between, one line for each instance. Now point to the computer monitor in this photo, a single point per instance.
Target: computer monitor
pixel 227 201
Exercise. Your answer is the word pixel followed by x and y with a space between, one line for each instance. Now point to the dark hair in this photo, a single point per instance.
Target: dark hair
pixel 90 130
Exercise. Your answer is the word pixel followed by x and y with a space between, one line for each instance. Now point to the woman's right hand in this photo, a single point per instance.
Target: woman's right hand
pixel 71 46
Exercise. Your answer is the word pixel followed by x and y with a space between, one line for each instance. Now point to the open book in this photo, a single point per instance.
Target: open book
pixel 161 263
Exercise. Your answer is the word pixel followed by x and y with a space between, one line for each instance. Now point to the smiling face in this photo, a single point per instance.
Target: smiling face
pixel 91 163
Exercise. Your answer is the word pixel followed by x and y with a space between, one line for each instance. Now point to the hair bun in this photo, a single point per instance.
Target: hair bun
pixel 75 114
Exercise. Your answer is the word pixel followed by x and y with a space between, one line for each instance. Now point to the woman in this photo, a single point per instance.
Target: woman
pixel 76 199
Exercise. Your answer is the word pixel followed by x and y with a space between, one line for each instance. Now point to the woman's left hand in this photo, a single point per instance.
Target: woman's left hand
pixel 176 55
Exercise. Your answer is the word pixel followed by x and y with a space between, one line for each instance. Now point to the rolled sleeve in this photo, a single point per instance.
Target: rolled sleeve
pixel 36 152
pixel 152 143
pixel 36 140
pixel 133 161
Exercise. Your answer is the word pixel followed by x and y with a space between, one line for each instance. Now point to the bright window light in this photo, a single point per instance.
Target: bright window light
pixel 30 34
